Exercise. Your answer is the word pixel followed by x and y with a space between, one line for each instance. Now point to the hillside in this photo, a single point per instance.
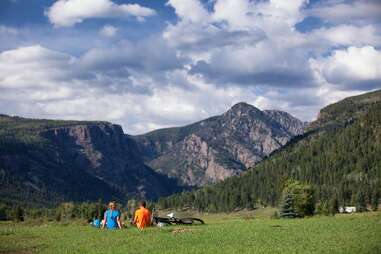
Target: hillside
pixel 218 147
pixel 46 161
pixel 345 111
pixel 340 156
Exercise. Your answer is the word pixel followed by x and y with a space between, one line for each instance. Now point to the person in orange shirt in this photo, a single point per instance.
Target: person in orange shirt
pixel 142 217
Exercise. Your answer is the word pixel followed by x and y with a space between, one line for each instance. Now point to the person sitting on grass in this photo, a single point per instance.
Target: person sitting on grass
pixel 95 223
pixel 142 217
pixel 112 217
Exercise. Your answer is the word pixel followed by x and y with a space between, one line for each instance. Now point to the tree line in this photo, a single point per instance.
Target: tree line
pixel 66 211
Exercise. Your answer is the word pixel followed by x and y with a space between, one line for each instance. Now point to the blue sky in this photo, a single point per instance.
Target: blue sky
pixel 152 64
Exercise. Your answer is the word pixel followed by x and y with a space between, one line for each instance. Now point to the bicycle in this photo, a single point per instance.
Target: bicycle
pixel 172 220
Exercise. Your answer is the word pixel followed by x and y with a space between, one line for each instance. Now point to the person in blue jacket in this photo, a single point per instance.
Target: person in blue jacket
pixel 112 217
pixel 96 223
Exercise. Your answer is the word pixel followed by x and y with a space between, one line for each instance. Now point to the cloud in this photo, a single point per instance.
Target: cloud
pixel 246 14
pixel 200 37
pixel 34 66
pixel 353 68
pixel 64 13
pixel 262 64
pixel 190 10
pixel 358 11
pixel 39 82
pixel 147 55
pixel 238 43
pixel 216 53
pixel 108 31
pixel 349 35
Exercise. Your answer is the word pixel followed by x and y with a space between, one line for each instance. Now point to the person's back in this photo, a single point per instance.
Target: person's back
pixel 142 216
pixel 112 217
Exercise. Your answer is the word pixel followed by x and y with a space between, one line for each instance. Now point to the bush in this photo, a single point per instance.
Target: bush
pixel 322 208
pixel 298 199
pixel 275 215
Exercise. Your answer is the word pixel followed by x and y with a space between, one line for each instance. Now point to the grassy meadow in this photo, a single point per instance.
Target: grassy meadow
pixel 245 232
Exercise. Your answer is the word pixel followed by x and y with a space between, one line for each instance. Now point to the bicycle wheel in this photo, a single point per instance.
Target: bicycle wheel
pixel 158 220
pixel 191 221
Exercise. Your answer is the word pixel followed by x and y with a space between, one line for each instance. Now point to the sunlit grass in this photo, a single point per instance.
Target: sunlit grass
pixel 242 232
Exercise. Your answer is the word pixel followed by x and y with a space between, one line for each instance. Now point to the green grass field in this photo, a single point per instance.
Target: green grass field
pixel 234 233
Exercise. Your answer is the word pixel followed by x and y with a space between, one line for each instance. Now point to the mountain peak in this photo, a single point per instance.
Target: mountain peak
pixel 242 104
pixel 242 107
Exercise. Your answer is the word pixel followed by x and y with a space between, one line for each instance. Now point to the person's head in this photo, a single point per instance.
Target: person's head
pixel 112 205
pixel 143 203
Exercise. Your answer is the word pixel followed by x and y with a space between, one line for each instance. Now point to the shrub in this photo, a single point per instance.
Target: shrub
pixel 298 199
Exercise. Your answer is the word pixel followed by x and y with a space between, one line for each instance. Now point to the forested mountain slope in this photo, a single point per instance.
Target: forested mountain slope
pixel 340 156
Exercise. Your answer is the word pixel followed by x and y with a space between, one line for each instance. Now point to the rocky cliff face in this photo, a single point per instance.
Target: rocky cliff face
pixel 287 121
pixel 78 161
pixel 219 147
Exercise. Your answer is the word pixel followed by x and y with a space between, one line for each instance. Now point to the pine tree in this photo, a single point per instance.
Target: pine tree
pixel 375 200
pixel 19 214
pixel 334 205
pixel 287 207
pixel 360 201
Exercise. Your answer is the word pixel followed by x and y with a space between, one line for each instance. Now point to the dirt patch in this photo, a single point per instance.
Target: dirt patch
pixel 182 230
pixel 248 217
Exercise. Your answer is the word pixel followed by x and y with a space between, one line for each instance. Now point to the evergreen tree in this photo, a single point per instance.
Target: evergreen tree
pixel 287 208
pixel 4 210
pixel 303 197
pixel 19 214
pixel 375 199
pixel 333 205
pixel 360 201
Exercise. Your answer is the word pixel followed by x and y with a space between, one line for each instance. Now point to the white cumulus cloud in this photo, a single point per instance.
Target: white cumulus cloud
pixel 69 12
pixel 352 68
pixel 190 10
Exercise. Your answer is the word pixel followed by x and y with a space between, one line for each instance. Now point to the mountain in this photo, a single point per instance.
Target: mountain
pixel 46 161
pixel 340 155
pixel 50 161
pixel 218 147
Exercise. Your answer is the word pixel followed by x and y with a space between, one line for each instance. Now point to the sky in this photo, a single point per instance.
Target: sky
pixel 152 64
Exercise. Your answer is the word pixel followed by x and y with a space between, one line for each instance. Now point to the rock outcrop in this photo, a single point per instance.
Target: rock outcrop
pixel 218 147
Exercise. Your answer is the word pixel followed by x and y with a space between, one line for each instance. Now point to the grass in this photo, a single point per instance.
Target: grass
pixel 234 233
